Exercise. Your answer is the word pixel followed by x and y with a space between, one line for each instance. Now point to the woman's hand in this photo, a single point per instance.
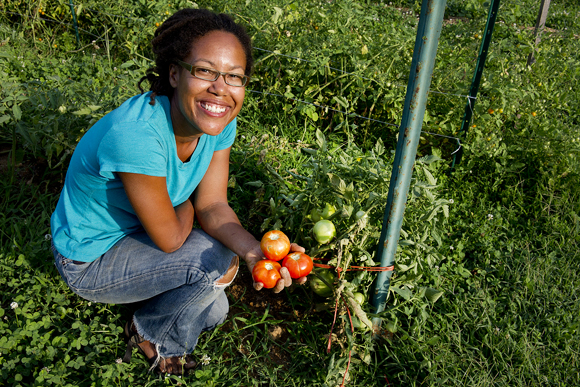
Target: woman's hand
pixel 255 254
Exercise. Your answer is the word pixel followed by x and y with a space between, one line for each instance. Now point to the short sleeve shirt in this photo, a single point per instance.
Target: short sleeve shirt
pixel 93 211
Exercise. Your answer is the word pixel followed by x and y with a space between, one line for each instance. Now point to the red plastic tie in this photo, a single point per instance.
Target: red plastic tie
pixel 353 268
pixel 340 270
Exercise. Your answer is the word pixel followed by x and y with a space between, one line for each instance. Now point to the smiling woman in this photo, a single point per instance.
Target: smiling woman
pixel 122 229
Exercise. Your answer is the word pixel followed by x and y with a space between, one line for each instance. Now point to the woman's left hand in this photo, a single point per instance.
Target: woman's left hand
pixel 256 254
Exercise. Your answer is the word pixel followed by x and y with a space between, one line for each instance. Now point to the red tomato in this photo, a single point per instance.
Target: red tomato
pixel 267 272
pixel 298 264
pixel 275 245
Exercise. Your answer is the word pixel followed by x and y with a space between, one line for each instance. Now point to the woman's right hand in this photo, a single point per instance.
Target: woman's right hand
pixel 255 254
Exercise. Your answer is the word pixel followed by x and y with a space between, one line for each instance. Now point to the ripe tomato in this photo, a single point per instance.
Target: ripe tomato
pixel 275 245
pixel 298 264
pixel 267 272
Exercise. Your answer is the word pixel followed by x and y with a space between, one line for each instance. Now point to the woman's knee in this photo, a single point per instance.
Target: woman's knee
pixel 230 274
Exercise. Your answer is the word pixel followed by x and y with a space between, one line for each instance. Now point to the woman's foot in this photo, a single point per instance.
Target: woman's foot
pixel 177 365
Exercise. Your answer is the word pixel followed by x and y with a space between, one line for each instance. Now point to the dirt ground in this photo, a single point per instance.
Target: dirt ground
pixel 245 300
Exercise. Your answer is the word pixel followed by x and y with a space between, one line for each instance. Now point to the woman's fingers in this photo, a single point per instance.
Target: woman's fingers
pixel 297 248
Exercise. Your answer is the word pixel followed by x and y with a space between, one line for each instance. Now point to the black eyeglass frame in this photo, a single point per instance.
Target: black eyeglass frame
pixel 192 68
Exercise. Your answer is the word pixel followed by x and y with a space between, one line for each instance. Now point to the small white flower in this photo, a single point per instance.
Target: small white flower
pixel 46 369
pixel 330 157
pixel 436 267
pixel 451 201
pixel 47 237
pixel 288 33
pixel 205 359
pixel 497 329
pixel 14 305
pixel 114 69
pixel 451 247
pixel 119 361
pixel 490 216
pixel 90 303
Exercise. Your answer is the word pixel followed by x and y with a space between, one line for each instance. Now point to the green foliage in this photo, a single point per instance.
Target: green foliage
pixel 485 286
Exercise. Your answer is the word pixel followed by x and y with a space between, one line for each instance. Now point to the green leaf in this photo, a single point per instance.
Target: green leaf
pixel 433 294
pixel 430 179
pixel 17 112
pixel 309 151
pixel 446 210
pixel 379 147
pixel 436 236
pixel 320 140
pixel 82 112
pixel 403 292
pixel 342 101
pixel 433 340
pixel 277 13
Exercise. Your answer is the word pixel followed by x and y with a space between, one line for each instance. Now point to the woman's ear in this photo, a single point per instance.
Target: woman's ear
pixel 174 72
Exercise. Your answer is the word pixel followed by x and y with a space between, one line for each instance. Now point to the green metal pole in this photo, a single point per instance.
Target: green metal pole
pixel 429 29
pixel 483 49
pixel 74 15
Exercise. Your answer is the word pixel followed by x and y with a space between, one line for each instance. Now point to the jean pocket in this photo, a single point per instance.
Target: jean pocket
pixel 70 271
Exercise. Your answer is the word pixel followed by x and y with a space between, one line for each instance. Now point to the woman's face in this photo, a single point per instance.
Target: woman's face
pixel 200 106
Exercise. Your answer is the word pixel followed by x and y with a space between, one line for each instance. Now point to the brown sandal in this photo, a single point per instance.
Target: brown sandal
pixel 158 363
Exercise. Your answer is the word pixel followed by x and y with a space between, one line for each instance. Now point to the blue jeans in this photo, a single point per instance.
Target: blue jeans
pixel 184 290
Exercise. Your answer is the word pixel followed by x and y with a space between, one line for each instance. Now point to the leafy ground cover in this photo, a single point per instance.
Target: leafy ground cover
pixel 486 285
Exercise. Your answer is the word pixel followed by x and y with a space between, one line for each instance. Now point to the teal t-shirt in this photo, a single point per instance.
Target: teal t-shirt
pixel 93 211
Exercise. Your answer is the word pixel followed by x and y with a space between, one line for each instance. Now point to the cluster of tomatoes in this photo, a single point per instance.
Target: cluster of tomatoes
pixel 276 247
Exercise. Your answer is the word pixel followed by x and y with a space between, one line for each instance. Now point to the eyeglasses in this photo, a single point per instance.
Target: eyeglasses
pixel 212 75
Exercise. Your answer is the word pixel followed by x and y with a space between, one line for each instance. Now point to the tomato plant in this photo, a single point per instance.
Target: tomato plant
pixel 275 245
pixel 267 272
pixel 298 264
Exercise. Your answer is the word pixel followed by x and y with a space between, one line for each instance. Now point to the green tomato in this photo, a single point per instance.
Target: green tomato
pixel 315 215
pixel 360 214
pixel 324 231
pixel 357 324
pixel 318 286
pixel 328 211
pixel 359 297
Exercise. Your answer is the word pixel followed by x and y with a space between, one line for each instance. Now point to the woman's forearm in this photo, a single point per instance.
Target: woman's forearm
pixel 222 223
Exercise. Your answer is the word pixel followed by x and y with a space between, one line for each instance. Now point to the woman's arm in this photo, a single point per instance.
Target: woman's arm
pixel 167 226
pixel 218 219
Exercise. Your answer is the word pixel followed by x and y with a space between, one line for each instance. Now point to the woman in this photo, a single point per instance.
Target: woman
pixel 122 229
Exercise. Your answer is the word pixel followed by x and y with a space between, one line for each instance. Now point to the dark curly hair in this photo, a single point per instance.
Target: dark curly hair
pixel 173 40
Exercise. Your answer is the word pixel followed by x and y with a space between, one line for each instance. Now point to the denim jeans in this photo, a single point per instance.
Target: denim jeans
pixel 183 290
